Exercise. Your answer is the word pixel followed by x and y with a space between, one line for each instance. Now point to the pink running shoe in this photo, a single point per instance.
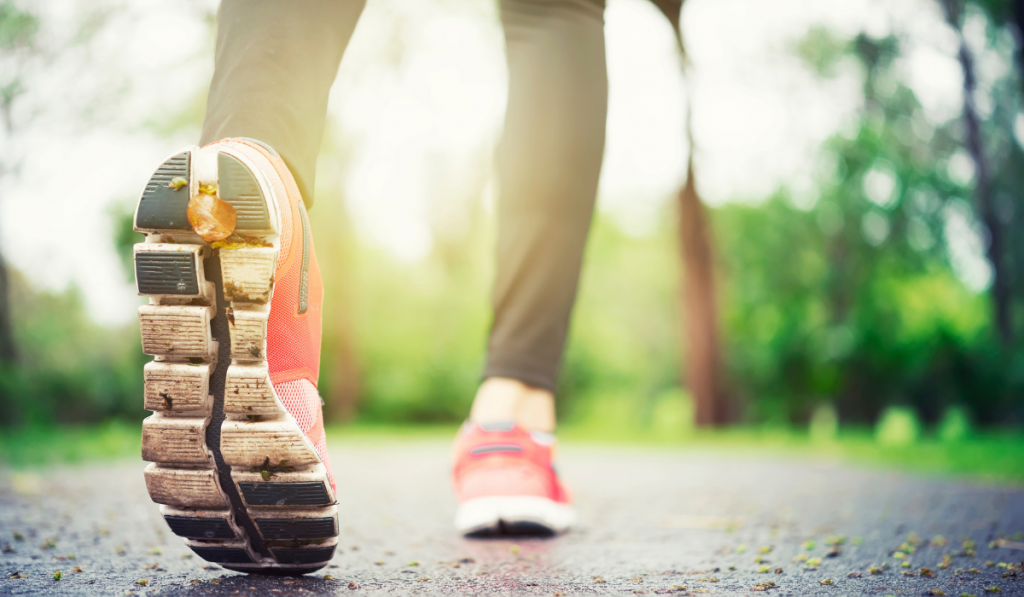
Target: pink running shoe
pixel 505 483
pixel 236 441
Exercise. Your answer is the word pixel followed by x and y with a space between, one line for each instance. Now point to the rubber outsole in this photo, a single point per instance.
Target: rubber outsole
pixel 240 188
pixel 162 205
pixel 296 528
pixel 513 516
pixel 285 494
pixel 166 273
pixel 234 486
pixel 200 528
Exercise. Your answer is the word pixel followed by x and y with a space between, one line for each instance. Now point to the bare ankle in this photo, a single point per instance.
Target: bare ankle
pixel 504 399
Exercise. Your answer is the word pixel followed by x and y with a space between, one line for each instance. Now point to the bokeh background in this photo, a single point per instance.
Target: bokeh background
pixel 853 242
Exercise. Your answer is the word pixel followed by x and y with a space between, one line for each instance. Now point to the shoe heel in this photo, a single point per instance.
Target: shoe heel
pixel 239 186
pixel 163 205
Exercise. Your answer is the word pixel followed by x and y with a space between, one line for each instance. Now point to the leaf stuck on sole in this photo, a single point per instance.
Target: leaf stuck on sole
pixel 211 218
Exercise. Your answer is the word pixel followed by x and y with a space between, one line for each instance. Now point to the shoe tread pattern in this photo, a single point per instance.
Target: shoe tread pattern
pixel 163 207
pixel 166 273
pixel 239 187
pixel 311 493
pixel 194 442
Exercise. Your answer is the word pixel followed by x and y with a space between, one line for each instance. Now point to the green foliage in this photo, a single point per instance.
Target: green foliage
pixel 672 415
pixel 853 296
pixel 955 425
pixel 824 426
pixel 420 331
pixel 898 427
pixel 69 368
pixel 836 304
pixel 17 27
pixel 623 353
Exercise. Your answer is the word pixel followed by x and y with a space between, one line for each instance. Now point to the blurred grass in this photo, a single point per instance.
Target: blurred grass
pixel 41 445
pixel 991 456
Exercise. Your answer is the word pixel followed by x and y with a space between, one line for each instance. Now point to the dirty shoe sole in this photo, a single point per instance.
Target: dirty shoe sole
pixel 232 470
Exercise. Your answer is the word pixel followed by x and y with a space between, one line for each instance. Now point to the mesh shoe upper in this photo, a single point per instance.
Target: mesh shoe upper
pixel 293 335
pixel 505 460
pixel 303 402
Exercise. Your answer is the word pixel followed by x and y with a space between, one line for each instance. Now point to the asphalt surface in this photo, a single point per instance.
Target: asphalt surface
pixel 653 521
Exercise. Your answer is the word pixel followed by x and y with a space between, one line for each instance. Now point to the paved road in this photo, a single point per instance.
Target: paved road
pixel 653 521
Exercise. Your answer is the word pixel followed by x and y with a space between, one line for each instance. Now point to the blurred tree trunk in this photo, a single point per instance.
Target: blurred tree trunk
pixel 336 265
pixel 703 354
pixel 702 360
pixel 8 351
pixel 984 202
pixel 17 36
pixel 340 372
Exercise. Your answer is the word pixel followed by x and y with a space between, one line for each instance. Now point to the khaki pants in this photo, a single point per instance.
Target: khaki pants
pixel 275 64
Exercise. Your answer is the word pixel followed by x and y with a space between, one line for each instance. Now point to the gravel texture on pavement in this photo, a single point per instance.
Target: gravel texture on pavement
pixel 654 521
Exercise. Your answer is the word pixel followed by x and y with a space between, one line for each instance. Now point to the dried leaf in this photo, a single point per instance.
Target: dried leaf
pixel 211 218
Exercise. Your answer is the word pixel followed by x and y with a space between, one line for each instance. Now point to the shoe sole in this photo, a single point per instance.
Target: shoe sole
pixel 234 474
pixel 513 515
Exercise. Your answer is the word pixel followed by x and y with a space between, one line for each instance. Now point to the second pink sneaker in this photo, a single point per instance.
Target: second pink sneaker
pixel 505 482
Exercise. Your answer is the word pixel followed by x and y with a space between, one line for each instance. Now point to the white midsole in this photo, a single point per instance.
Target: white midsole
pixel 485 512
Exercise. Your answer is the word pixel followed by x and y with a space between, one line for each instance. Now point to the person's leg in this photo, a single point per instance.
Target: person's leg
pixel 549 162
pixel 274 67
